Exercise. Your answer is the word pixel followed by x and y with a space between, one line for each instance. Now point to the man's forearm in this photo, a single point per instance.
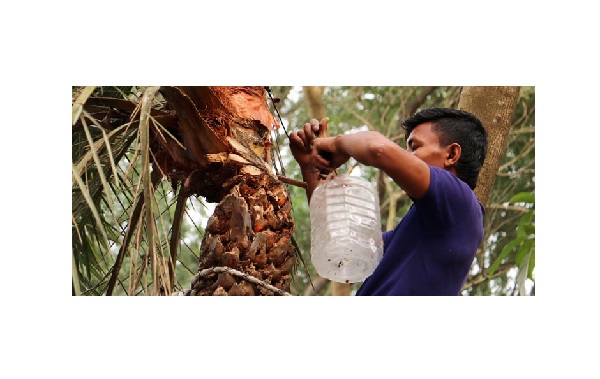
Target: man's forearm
pixel 373 149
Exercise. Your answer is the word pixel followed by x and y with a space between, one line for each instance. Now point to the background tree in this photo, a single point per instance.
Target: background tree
pixel 495 107
pixel 506 187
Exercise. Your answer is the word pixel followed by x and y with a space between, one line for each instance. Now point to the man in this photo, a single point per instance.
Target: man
pixel 431 250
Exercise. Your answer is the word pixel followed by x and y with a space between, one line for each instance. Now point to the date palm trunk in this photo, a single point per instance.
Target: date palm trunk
pixel 250 232
pixel 220 149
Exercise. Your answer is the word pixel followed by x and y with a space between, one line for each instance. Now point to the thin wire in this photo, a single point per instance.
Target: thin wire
pixel 278 155
pixel 322 171
pixel 275 144
pixel 277 111
pixel 299 252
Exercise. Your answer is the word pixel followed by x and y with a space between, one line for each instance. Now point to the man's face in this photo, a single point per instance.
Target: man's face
pixel 425 144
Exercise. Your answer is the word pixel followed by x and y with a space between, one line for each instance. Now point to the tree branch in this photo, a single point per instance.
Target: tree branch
pixel 412 107
pixel 526 151
pixel 509 207
pixel 320 283
pixel 355 114
pixel 528 129
pixel 480 278
pixel 293 182
pixel 242 275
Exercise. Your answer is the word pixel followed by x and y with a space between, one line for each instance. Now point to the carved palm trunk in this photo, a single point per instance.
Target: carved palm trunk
pixel 250 231
pixel 220 149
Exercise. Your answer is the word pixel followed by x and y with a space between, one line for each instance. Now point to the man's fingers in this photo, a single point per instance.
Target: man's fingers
pixel 323 127
pixel 303 140
pixel 314 125
pixel 295 139
pixel 309 132
pixel 315 128
pixel 319 161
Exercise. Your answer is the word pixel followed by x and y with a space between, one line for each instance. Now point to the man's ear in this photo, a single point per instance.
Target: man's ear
pixel 454 151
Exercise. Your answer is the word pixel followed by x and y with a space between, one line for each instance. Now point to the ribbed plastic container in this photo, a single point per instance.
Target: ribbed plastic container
pixel 346 242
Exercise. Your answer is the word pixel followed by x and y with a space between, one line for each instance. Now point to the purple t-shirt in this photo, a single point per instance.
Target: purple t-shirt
pixel 432 248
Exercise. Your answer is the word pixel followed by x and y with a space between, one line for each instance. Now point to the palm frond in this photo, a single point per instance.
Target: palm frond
pixel 77 106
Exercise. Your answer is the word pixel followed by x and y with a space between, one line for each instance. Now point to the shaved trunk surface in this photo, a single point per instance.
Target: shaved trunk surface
pixel 220 149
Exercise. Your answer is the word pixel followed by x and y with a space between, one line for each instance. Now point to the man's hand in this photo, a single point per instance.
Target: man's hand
pixel 326 154
pixel 301 141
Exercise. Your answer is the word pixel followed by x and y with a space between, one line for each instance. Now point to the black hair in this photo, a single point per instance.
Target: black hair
pixel 453 125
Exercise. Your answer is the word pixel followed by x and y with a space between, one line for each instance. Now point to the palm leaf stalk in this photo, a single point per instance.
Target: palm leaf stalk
pixel 207 141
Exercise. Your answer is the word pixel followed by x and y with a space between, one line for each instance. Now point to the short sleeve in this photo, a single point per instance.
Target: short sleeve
pixel 446 199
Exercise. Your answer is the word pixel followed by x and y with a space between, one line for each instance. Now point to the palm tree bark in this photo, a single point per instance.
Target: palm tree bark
pixel 250 231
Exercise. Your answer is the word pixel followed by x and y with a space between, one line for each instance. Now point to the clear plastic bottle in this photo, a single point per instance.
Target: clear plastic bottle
pixel 346 241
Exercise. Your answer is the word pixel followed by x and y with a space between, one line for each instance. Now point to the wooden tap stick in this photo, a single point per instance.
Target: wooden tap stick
pixel 292 181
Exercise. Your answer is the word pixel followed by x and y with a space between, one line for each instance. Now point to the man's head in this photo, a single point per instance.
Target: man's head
pixel 459 143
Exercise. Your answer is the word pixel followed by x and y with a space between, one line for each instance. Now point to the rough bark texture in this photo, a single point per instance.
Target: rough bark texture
pixel 220 149
pixel 313 97
pixel 495 107
pixel 250 231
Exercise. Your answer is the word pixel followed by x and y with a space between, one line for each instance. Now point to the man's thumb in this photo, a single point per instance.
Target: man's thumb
pixel 323 127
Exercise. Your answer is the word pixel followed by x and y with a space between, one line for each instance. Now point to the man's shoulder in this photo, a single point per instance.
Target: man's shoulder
pixel 448 184
pixel 447 197
pixel 439 174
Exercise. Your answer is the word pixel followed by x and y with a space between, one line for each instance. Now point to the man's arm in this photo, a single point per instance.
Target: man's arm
pixel 373 149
